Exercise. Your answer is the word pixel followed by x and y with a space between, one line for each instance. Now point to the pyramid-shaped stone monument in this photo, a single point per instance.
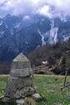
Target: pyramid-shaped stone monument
pixel 20 83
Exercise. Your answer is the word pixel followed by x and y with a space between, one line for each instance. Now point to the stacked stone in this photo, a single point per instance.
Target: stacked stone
pixel 20 83
pixel 67 60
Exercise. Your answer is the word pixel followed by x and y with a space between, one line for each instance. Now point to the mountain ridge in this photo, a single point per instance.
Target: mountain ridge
pixel 24 34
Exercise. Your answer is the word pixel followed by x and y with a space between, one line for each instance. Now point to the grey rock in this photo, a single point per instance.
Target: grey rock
pixel 20 83
pixel 36 96
pixel 20 102
pixel 21 66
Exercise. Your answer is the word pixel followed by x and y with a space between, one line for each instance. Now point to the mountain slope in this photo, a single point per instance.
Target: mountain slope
pixel 24 34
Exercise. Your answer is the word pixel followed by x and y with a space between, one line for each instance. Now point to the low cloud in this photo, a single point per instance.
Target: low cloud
pixel 50 8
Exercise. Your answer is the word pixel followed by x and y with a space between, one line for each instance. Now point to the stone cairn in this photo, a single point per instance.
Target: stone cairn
pixel 20 83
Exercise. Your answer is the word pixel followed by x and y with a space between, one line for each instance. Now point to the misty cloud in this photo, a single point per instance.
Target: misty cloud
pixel 49 8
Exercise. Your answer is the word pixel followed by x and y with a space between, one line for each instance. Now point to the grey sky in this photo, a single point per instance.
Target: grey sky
pixel 49 8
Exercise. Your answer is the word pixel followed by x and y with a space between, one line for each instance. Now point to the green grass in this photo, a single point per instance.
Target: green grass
pixel 49 86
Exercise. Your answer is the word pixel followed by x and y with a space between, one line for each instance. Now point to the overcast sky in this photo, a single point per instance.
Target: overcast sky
pixel 49 8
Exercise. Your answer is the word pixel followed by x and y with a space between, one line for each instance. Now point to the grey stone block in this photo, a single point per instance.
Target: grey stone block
pixel 20 83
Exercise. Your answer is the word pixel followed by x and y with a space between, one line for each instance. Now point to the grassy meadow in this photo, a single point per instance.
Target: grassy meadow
pixel 49 87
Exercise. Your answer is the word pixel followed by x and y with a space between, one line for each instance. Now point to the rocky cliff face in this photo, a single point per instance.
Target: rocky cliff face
pixel 26 33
